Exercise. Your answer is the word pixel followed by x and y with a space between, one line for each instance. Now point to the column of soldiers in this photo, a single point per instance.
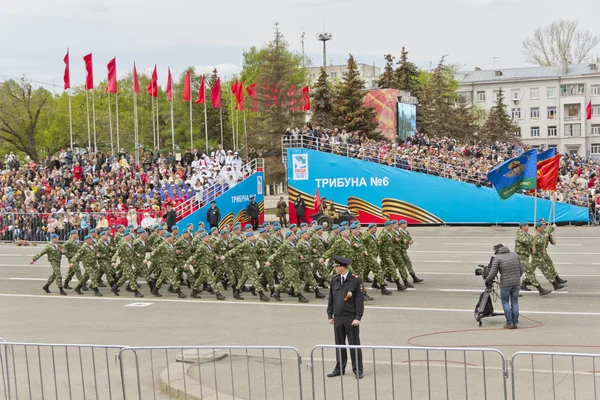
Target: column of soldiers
pixel 266 265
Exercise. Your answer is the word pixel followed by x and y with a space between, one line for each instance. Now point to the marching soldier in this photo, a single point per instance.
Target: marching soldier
pixel 54 253
pixel 202 260
pixel 371 244
pixel 406 243
pixel 219 247
pixel 387 248
pixel 305 268
pixel 263 252
pixel 286 258
pixel 119 236
pixel 104 254
pixel 342 247
pixel 183 251
pixel 71 247
pixel 140 248
pixel 163 257
pixel 397 255
pixel 550 240
pixel 360 254
pixel 319 244
pixel 87 256
pixel 537 259
pixel 125 254
pixel 245 256
pixel 523 248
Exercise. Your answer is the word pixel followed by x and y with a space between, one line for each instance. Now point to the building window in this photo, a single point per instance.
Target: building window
pixel 551 112
pixel 481 96
pixel 596 148
pixel 595 110
pixel 535 112
pixel 572 130
pixel 595 129
pixel 595 90
pixel 333 75
pixel 516 94
pixel 551 92
pixel 572 90
pixel 534 93
pixel 480 114
pixel 313 76
pixel 495 95
pixel 552 131
pixel 535 131
pixel 516 113
pixel 466 96
pixel 573 111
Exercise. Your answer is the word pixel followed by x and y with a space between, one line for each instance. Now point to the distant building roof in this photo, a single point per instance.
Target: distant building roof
pixel 513 74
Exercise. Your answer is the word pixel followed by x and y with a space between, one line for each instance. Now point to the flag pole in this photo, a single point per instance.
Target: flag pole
pixel 153 122
pixel 112 147
pixel 206 119
pixel 221 109
pixel 94 120
pixel 87 112
pixel 232 123
pixel 245 135
pixel 70 118
pixel 191 125
pixel 136 138
pixel 172 127
pixel 237 129
pixel 117 114
pixel 157 128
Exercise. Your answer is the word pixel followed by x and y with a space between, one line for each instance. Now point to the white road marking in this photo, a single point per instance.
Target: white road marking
pixel 510 246
pixel 479 290
pixel 487 252
pixel 138 304
pixel 501 237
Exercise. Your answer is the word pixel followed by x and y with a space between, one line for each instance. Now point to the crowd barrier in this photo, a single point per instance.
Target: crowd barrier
pixel 82 371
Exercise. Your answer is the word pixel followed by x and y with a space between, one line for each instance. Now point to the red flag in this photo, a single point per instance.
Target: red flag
pixel 318 202
pixel 215 94
pixel 588 111
pixel 153 85
pixel 251 90
pixel 238 91
pixel 66 76
pixel 136 81
pixel 111 84
pixel 305 106
pixel 169 86
pixel 305 90
pixel 201 96
pixel 187 87
pixel 89 72
pixel 547 173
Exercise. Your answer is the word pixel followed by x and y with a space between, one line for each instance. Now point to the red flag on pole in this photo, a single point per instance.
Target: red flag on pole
pixel 238 91
pixel 547 170
pixel 89 72
pixel 318 202
pixel 215 94
pixel 187 87
pixel 169 86
pixel 305 106
pixel 136 81
pixel 201 99
pixel 588 111
pixel 251 90
pixel 153 85
pixel 66 76
pixel 111 84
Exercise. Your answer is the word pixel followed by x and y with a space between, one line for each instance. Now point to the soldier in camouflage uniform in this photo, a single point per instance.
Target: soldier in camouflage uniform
pixel 197 237
pixel 140 248
pixel 245 256
pixel 307 252
pixel 202 260
pixel 87 256
pixel 234 269
pixel 220 267
pixel 406 243
pixel 153 234
pixel 159 238
pixel 264 250
pixel 54 253
pixel 183 251
pixel 342 247
pixel 360 254
pixel 125 254
pixel 286 259
pixel 276 242
pixel 551 240
pixel 387 248
pixel 104 254
pixel 319 244
pixel 397 254
pixel 523 248
pixel 118 236
pixel 537 258
pixel 71 247
pixel 163 256
pixel 371 245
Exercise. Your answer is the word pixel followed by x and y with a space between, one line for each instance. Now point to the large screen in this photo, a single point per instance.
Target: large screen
pixel 407 120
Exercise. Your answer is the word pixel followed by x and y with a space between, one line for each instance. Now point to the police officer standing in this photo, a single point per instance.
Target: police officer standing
pixel 345 310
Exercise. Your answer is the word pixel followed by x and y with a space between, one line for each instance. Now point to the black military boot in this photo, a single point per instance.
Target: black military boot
pixel 66 286
pixel 151 284
pixel 375 285
pixel 137 293
pixel 128 288
pixel 46 289
pixel 557 285
pixel 302 299
pixel 236 294
pixel 62 291
pixel 307 289
pixel 262 296
pixel 277 295
pixel 560 280
pixel 220 296
pixel 182 282
pixel 319 295
pixel 543 291
pixel 385 292
pixel 84 287
pixel 97 293
pixel 245 289
pixel 78 289
pixel 368 298
pixel 115 290
pixel 252 290
pixel 101 284
pixel 171 290
pixel 291 292
pixel 209 289
pixel 408 284
pixel 524 287
pixel 180 294
pixel 415 278
pixel 399 286
pixel 224 283
pixel 195 294
pixel 155 292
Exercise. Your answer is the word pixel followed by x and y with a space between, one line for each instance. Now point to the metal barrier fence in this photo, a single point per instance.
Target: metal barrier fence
pixel 411 373
pixel 59 371
pixel 198 372
pixel 538 375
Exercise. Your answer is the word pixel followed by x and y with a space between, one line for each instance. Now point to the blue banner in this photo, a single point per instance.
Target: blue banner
pixel 515 175
pixel 378 192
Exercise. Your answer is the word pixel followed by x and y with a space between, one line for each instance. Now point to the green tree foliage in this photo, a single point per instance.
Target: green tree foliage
pixel 321 101
pixel 498 126
pixel 349 111
pixel 387 80
pixel 406 75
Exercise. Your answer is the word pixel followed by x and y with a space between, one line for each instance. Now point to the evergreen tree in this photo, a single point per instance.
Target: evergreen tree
pixel 498 126
pixel 387 80
pixel 321 101
pixel 349 111
pixel 406 75
pixel 464 120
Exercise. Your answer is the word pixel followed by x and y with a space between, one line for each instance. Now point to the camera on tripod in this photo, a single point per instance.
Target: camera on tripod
pixel 483 270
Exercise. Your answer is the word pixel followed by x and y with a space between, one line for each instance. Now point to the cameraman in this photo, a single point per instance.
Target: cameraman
pixel 510 268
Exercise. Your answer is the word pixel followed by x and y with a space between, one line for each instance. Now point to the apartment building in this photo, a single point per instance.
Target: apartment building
pixel 368 73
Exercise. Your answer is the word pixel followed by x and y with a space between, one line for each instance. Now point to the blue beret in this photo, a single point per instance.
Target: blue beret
pixel 160 228
pixel 388 223
pixel 188 225
pixel 262 230
pixel 214 228
pixel 237 223
pixel 92 230
pixel 126 232
pixel 103 233
pixel 344 223
pixel 168 234
pixel 106 229
pixel 277 228
pixel 223 232
pixel 203 235
pixel 141 230
pixel 53 236
pixel 265 224
pixel 248 234
pixel 201 230
pixel 371 226
pixel 86 237
pixel 163 223
pixel 402 221
pixel 302 225
pixel 292 226
pixel 276 223
pixel 353 226
pixel 235 227
pixel 155 226
pixel 248 226
pixel 119 226
pixel 174 227
pixel 288 234
pixel 539 223
pixel 74 231
pixel 200 223
pixel 314 221
pixel 130 226
pixel 318 228
pixel 342 229
pixel 335 226
pixel 303 231
pixel 523 223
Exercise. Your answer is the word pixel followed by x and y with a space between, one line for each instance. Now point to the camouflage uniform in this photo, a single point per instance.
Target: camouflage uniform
pixel 286 259
pixel 387 244
pixel 405 244
pixel 398 245
pixel 87 256
pixel 185 249
pixel 341 247
pixel 537 258
pixel 220 267
pixel 139 255
pixel 523 247
pixel 305 270
pixel 54 254
pixel 104 254
pixel 163 258
pixel 126 254
pixel 359 260
pixel 245 257
pixel 264 249
pixel 319 244
pixel 202 261
pixel 547 258
pixel 233 269
pixel 71 247
pixel 370 244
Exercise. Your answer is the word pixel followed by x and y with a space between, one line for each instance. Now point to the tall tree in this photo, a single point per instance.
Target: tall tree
pixel 464 126
pixel 321 101
pixel 498 126
pixel 387 79
pixel 561 40
pixel 406 75
pixel 349 111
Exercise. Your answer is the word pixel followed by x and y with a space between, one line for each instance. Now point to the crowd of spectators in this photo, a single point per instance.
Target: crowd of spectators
pixel 89 189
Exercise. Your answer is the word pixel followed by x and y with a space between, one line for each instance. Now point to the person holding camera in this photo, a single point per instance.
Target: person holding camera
pixel 510 268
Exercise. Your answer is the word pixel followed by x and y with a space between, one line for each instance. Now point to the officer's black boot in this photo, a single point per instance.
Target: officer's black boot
pixel 543 291
pixel 66 286
pixel 368 298
pixel 115 289
pixel 155 292
pixel 137 293
pixel 524 287
pixel 302 299
pixel 385 292
pixel 62 291
pixel 97 293
pixel 408 284
pixel 262 296
pixel 180 294
pixel 253 290
pixel 277 295
pixel 375 285
pixel 415 278
pixel 78 289
pixel 128 288
pixel 171 290
pixel 399 286
pixel 195 294
pixel 46 289
pixel 560 280
pixel 318 294
pixel 556 285
pixel 220 296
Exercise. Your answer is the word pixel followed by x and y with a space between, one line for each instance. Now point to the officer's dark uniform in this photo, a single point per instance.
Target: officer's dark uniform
pixel 343 309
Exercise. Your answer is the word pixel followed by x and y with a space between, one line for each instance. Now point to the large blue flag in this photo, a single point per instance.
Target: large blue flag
pixel 516 174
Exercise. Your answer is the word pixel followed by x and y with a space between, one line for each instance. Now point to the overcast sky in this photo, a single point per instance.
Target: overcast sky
pixel 177 33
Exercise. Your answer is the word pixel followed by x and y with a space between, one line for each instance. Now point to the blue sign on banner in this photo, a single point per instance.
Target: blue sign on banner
pixel 377 192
